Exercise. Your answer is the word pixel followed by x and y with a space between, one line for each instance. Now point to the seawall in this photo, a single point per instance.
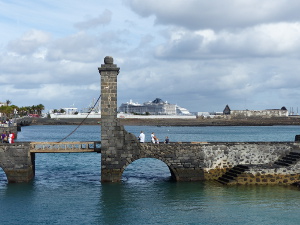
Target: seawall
pixel 175 122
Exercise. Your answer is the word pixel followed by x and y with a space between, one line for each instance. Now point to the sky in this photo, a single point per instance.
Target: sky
pixel 198 54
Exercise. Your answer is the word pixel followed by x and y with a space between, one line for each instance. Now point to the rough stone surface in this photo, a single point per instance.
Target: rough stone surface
pixel 17 162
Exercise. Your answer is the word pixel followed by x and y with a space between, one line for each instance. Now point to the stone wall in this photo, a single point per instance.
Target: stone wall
pixel 268 113
pixel 17 162
pixel 207 161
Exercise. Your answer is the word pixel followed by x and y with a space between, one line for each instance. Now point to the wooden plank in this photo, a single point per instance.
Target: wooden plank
pixel 61 150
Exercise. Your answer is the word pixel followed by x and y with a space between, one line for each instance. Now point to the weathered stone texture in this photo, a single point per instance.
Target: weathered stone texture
pixel 17 162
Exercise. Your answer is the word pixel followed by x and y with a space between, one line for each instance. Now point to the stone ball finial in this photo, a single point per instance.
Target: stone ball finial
pixel 108 60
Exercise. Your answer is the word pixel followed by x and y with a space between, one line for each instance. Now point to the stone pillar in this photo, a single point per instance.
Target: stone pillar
pixel 112 134
pixel 17 162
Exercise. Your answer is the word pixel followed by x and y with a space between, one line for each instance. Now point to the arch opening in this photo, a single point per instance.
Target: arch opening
pixel 3 177
pixel 147 170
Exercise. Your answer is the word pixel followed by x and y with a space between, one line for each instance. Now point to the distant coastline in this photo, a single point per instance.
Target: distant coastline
pixel 175 122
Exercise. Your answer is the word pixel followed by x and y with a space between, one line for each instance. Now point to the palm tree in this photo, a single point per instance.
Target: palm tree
pixel 40 108
pixel 33 109
pixel 8 102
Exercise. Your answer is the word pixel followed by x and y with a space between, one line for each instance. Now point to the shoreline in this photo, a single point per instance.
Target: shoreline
pixel 283 121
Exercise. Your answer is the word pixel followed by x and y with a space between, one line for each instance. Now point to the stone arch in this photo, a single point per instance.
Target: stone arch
pixel 174 176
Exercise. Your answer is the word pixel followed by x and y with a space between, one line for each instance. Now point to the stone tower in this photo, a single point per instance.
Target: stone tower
pixel 111 131
pixel 118 147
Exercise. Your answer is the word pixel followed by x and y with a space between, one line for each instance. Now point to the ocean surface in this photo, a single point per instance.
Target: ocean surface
pixel 67 188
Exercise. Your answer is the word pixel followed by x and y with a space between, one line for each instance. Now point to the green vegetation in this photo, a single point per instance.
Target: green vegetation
pixel 10 111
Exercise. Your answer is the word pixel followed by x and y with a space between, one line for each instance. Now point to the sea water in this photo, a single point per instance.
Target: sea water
pixel 67 187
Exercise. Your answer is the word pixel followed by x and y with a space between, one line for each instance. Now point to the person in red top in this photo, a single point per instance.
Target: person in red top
pixel 11 137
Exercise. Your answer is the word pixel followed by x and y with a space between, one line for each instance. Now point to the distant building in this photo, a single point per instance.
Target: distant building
pixel 227 110
pixel 155 107
pixel 267 113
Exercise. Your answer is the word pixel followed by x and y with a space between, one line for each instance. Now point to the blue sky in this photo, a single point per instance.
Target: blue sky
pixel 198 54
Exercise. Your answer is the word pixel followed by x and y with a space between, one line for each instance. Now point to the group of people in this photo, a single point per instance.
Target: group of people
pixel 7 137
pixel 6 123
pixel 154 139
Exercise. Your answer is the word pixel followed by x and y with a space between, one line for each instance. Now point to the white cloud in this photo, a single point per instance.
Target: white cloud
pixel 29 43
pixel 266 40
pixel 199 54
pixel 102 19
pixel 217 14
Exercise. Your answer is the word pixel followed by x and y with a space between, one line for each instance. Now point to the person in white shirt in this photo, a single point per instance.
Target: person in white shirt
pixel 153 138
pixel 142 137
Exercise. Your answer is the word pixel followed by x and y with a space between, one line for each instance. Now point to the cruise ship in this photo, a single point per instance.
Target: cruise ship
pixel 155 107
pixel 149 110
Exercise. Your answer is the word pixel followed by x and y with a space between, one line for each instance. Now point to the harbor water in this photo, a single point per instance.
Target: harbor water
pixel 67 188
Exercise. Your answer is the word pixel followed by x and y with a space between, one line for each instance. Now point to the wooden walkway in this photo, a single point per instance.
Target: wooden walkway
pixel 65 147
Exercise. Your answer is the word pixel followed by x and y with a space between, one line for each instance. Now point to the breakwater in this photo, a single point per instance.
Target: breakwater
pixel 174 122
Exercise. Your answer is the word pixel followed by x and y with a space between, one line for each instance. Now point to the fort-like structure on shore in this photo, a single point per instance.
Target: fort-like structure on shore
pixel 226 162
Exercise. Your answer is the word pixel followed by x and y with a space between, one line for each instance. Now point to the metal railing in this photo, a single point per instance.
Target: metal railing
pixel 68 147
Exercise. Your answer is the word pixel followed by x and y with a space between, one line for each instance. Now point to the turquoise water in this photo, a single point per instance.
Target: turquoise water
pixel 67 188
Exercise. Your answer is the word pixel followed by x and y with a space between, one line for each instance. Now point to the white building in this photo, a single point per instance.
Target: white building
pixel 267 113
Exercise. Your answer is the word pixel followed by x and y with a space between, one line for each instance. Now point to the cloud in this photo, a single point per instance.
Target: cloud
pixel 29 43
pixel 102 19
pixel 267 40
pixel 79 47
pixel 216 14
pixel 199 54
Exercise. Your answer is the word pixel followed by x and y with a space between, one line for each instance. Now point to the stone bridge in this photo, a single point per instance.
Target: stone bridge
pixel 230 162
pixel 186 161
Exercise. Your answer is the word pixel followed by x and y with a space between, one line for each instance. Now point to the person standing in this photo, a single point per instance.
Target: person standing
pixel 3 135
pixel 11 137
pixel 153 138
pixel 142 137
pixel 167 141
